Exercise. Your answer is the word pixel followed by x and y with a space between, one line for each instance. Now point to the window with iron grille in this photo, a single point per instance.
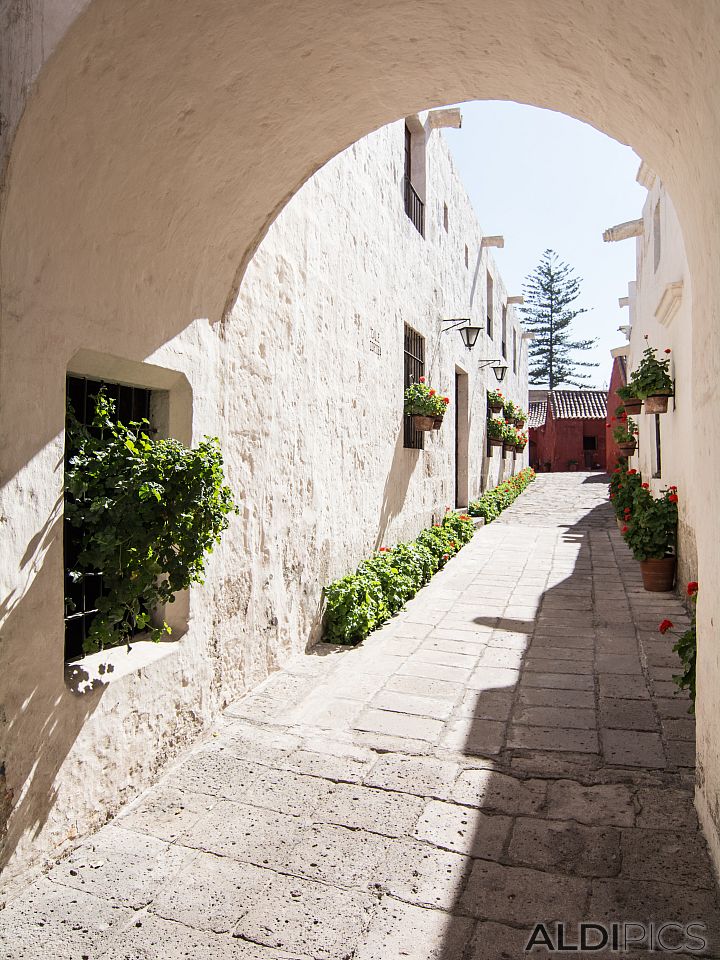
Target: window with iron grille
pixel 131 403
pixel 657 472
pixel 414 206
pixel 490 304
pixel 414 369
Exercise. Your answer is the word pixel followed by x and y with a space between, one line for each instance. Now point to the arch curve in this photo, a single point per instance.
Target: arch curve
pixel 161 139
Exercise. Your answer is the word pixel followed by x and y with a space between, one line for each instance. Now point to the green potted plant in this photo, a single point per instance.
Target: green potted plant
pixel 625 436
pixel 520 418
pixel 496 401
pixel 510 411
pixel 651 532
pixel 624 484
pixel 631 402
pixel 509 438
pixel 441 404
pixel 521 441
pixel 651 381
pixel 686 646
pixel 424 405
pixel 495 432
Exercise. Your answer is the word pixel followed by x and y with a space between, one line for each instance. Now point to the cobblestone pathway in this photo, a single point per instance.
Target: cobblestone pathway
pixel 507 751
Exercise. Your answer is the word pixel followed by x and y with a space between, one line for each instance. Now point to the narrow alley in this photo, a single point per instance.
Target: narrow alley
pixel 508 751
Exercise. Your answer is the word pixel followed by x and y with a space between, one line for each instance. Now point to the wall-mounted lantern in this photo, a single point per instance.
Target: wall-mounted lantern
pixel 469 334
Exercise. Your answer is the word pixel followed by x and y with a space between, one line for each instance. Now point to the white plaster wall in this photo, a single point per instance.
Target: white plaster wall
pixel 673 332
pixel 160 140
pixel 310 421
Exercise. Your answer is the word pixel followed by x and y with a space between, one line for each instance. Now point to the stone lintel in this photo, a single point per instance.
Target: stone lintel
pixel 669 303
pixel 645 176
pixel 449 117
pixel 496 241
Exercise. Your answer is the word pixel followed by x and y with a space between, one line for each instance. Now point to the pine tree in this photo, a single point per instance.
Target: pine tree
pixel 550 290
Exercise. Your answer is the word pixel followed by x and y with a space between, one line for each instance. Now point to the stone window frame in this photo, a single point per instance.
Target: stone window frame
pixel 172 416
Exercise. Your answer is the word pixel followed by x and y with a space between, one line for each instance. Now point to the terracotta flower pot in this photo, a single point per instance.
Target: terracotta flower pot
pixel 423 424
pixel 633 406
pixel 520 424
pixel 494 442
pixel 496 407
pixel 507 448
pixel 438 422
pixel 658 403
pixel 627 449
pixel 658 575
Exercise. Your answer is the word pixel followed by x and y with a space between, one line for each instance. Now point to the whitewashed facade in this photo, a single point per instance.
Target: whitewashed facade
pixel 659 306
pixel 302 381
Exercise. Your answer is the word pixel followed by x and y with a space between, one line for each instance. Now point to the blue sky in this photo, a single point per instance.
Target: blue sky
pixel 542 179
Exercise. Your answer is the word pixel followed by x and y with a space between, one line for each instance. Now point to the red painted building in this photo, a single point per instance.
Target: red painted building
pixel 618 378
pixel 567 429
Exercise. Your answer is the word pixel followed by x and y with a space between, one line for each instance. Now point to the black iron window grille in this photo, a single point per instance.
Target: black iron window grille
pixel 414 207
pixel 490 305
pixel 414 369
pixel 658 448
pixel 81 597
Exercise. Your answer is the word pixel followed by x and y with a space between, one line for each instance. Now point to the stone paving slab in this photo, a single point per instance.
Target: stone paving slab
pixel 508 750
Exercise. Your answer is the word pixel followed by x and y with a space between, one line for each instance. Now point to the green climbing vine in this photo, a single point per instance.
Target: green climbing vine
pixel 147 513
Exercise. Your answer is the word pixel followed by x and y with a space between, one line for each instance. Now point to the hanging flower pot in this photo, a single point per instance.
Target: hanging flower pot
pixel 631 402
pixel 495 442
pixel 425 406
pixel 423 424
pixel 657 403
pixel 658 575
pixel 627 449
pixel 496 401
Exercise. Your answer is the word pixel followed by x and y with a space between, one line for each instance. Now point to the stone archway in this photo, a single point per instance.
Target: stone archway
pixel 158 144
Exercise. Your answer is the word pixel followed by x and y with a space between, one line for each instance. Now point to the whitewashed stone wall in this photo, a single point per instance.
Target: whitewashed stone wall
pixel 660 304
pixel 310 420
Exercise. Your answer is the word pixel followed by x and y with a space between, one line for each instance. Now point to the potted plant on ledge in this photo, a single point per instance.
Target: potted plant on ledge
pixel 630 400
pixel 496 401
pixel 495 432
pixel 651 533
pixel 625 436
pixel 651 381
pixel 509 438
pixel 424 405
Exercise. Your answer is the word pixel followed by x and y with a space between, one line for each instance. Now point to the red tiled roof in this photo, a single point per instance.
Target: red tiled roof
pixel 579 404
pixel 537 411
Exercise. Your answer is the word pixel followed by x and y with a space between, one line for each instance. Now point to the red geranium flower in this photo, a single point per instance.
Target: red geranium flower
pixel 624 530
pixel 446 399
pixel 672 488
pixel 673 498
pixel 668 350
pixel 645 486
pixel 632 471
pixel 422 379
pixel 446 556
pixel 692 588
pixel 665 626
pixel 432 393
